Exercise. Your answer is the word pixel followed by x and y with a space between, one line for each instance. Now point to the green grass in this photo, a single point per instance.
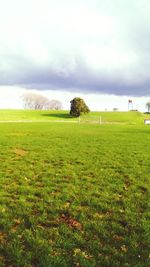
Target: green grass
pixel 117 117
pixel 74 195
pixel 42 116
pixel 33 115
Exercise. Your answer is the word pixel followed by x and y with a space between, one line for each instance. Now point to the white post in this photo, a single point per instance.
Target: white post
pixel 100 120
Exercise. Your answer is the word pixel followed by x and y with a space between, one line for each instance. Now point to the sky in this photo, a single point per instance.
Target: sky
pixel 95 49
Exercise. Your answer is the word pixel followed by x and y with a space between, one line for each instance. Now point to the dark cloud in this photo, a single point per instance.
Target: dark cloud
pixel 81 79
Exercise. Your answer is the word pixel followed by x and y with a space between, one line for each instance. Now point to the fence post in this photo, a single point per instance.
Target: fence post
pixel 100 120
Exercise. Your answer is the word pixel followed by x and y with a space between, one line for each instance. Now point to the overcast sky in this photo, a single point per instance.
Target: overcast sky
pixel 97 49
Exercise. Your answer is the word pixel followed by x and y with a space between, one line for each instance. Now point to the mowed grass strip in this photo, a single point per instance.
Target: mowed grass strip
pixel 74 195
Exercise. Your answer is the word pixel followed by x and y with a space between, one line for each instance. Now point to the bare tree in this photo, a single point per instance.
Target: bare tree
pixel 34 101
pixel 53 105
pixel 39 102
pixel 148 106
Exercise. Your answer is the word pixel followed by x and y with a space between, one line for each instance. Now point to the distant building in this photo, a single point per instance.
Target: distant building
pixel 130 104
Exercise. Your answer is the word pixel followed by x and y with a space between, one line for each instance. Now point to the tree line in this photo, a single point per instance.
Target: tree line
pixel 38 102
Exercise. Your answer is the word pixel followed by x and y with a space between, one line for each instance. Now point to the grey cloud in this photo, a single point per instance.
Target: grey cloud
pixel 82 79
pixel 70 70
pixel 87 83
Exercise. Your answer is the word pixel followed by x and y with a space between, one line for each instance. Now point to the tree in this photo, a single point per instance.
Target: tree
pixel 39 102
pixel 115 109
pixel 53 105
pixel 78 107
pixel 34 101
pixel 148 106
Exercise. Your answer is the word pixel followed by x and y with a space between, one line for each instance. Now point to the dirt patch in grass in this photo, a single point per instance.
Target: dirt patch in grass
pixel 3 237
pixel 20 152
pixel 71 222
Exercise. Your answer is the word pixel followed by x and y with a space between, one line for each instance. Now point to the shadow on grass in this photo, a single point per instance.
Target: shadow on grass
pixel 58 116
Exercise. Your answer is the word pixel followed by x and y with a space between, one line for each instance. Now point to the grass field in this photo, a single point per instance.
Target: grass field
pixel 32 115
pixel 49 116
pixel 74 194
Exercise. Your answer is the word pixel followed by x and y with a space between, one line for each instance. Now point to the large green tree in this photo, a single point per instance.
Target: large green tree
pixel 78 107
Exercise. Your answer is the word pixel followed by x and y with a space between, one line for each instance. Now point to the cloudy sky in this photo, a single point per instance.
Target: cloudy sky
pixel 96 49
